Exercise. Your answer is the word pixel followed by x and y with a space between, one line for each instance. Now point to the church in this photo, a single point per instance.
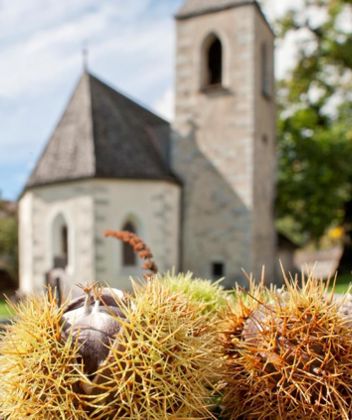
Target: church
pixel 199 191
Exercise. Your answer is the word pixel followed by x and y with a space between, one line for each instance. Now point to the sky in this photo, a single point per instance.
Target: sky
pixel 130 45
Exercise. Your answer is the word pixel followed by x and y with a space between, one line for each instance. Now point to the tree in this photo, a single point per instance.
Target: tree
pixel 315 124
pixel 9 244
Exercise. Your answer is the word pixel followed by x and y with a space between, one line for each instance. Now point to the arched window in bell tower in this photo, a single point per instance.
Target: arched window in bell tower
pixel 212 61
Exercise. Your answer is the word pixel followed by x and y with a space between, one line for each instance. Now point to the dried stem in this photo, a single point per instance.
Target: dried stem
pixel 139 247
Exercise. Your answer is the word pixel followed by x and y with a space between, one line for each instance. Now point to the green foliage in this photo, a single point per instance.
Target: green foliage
pixel 8 235
pixel 9 243
pixel 314 129
pixel 343 283
pixel 314 174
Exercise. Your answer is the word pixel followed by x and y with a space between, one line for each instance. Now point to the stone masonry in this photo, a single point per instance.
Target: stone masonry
pixel 223 145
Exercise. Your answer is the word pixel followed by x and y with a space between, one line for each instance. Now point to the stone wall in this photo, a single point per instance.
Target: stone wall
pixel 214 147
pixel 264 164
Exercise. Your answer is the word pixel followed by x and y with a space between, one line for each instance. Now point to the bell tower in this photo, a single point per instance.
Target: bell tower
pixel 224 138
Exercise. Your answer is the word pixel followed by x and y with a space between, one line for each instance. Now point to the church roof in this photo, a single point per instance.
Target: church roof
pixel 104 134
pixel 199 7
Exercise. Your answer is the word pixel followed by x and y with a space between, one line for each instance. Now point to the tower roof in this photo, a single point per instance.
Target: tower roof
pixel 198 7
pixel 104 134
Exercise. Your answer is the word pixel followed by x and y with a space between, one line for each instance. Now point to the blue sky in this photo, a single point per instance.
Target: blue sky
pixel 131 46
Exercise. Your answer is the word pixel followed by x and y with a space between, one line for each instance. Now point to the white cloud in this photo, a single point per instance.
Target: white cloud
pixel 33 63
pixel 125 10
pixel 164 106
pixel 38 61
pixel 19 19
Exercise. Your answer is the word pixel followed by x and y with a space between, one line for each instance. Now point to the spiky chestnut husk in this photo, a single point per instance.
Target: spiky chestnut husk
pixel 39 374
pixel 166 360
pixel 288 356
pixel 162 363
pixel 211 295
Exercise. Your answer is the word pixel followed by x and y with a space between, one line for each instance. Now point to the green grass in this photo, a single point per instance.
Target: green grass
pixel 5 311
pixel 343 282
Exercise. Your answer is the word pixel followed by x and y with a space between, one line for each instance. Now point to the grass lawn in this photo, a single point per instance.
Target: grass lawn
pixel 5 311
pixel 343 282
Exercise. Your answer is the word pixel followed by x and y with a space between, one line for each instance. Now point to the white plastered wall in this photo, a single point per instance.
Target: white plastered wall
pixel 90 208
pixel 153 207
pixel 38 210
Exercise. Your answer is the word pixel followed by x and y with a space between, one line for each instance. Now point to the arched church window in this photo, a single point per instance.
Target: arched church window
pixel 64 241
pixel 213 61
pixel 128 255
pixel 60 242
